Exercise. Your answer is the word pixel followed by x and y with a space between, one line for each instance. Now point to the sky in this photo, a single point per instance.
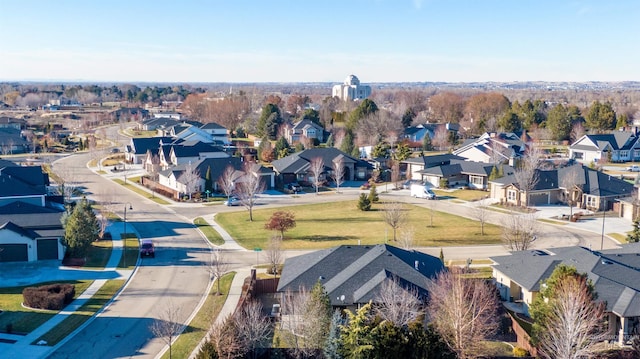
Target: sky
pixel 319 40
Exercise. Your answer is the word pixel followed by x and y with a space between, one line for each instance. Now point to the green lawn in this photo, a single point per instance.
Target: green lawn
pixel 25 320
pixel 463 194
pixel 99 254
pixel 212 235
pixel 329 224
pixel 86 311
pixel 620 237
pixel 200 324
pixel 132 249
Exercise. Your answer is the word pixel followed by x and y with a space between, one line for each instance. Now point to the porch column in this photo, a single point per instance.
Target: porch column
pixel 624 330
pixel 611 330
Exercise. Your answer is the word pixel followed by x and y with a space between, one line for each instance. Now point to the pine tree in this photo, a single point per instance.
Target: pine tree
pixel 356 335
pixel 494 174
pixel 330 141
pixel 208 183
pixel 80 230
pixel 347 145
pixel 373 194
pixel 501 171
pixel 332 346
pixel 634 236
pixel 364 204
pixel 426 143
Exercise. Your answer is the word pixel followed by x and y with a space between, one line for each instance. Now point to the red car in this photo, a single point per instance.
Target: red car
pixel 147 249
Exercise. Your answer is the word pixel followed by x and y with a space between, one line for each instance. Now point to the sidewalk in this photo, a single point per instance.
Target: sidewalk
pixel 229 242
pixel 20 346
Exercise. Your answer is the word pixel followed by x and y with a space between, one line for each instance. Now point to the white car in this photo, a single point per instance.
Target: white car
pixel 633 168
pixel 233 201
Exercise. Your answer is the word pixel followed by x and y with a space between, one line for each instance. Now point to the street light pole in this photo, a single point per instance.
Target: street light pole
pixel 604 214
pixel 124 235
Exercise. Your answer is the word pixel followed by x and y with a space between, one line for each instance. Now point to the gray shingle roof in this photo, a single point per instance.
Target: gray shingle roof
pixel 615 273
pixel 357 272
pixel 299 162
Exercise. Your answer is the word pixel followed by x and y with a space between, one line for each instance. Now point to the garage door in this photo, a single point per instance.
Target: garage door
pixel 13 253
pixel 627 211
pixel 47 249
pixel 538 199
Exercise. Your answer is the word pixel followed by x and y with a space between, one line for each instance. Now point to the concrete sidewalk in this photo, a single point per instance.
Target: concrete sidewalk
pixel 229 242
pixel 20 346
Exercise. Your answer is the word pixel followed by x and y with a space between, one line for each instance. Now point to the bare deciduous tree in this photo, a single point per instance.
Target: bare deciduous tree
pixel 481 213
pixel 395 173
pixel 396 304
pixel 338 172
pixel 253 327
pixel 441 138
pixel 226 181
pixel 394 214
pixel 274 253
pixel 519 231
pixel 167 326
pixel 571 182
pixel 249 186
pixel 191 179
pixel 463 311
pixel 316 167
pixel 572 327
pixel 225 338
pixel 406 239
pixel 218 266
pixel 577 131
pixel 526 172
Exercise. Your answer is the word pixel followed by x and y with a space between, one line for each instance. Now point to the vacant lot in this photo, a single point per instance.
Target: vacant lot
pixel 329 224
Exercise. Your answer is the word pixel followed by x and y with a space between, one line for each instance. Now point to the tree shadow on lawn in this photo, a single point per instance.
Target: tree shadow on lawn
pixel 341 219
pixel 321 238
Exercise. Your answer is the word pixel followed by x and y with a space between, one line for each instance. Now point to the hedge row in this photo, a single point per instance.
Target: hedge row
pixel 52 296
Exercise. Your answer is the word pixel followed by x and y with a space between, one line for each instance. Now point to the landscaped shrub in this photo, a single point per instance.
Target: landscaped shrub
pixel 52 296
pixel 520 352
pixel 444 183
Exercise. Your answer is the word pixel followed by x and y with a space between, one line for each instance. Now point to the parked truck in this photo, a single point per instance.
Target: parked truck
pixel 419 190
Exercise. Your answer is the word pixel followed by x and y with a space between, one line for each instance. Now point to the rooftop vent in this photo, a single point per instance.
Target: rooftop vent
pixel 607 262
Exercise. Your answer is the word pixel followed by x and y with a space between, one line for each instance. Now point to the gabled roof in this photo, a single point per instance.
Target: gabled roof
pixel 436 160
pixel 618 140
pixel 212 126
pixel 299 162
pixel 194 149
pixel 30 175
pixel 356 273
pixel 615 273
pixel 15 186
pixel 142 145
pixel 10 226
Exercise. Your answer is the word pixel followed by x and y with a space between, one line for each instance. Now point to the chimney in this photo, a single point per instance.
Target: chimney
pixel 415 265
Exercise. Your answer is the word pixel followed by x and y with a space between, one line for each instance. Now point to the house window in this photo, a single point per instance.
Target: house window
pixel 476 180
pixel 592 201
pixel 636 153
pixel 624 154
pixel 511 195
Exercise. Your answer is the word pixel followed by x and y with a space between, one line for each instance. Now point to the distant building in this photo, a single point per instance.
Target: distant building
pixel 351 89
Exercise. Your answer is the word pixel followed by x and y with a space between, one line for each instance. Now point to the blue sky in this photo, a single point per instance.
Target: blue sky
pixel 320 40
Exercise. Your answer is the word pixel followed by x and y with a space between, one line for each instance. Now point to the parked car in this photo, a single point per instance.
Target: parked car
pixel 422 191
pixel 633 168
pixel 294 187
pixel 232 201
pixel 147 249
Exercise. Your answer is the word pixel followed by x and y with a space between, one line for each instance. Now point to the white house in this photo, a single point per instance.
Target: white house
pixel 620 146
pixel 351 89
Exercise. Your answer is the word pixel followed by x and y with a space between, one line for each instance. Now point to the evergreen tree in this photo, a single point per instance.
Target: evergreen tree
pixel 207 351
pixel 426 142
pixel 208 183
pixel 281 147
pixel 402 152
pixel 269 121
pixel 332 346
pixel 81 228
pixel 347 144
pixel 355 152
pixel 356 338
pixel 622 121
pixel 299 147
pixel 365 108
pixel 318 311
pixel 494 174
pixel 634 236
pixel 501 171
pixel 364 204
pixel 373 194
pixel 380 150
pixel 601 116
pixel 407 117
pixel 330 142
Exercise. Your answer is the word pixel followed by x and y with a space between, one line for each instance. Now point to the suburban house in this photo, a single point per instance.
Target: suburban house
pixel 176 180
pixel 353 275
pixel 296 167
pixel 474 175
pixel 11 122
pixel 418 132
pixel 305 129
pixel 30 227
pixel 417 164
pixel 12 141
pixel 593 190
pixel 184 152
pixel 157 123
pixel 615 274
pixel 619 146
pixel 494 147
pixel 217 132
pixel 136 151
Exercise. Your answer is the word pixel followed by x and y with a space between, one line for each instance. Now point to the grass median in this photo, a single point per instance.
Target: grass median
pixel 200 324
pixel 86 311
pixel 326 225
pixel 140 191
pixel 212 235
